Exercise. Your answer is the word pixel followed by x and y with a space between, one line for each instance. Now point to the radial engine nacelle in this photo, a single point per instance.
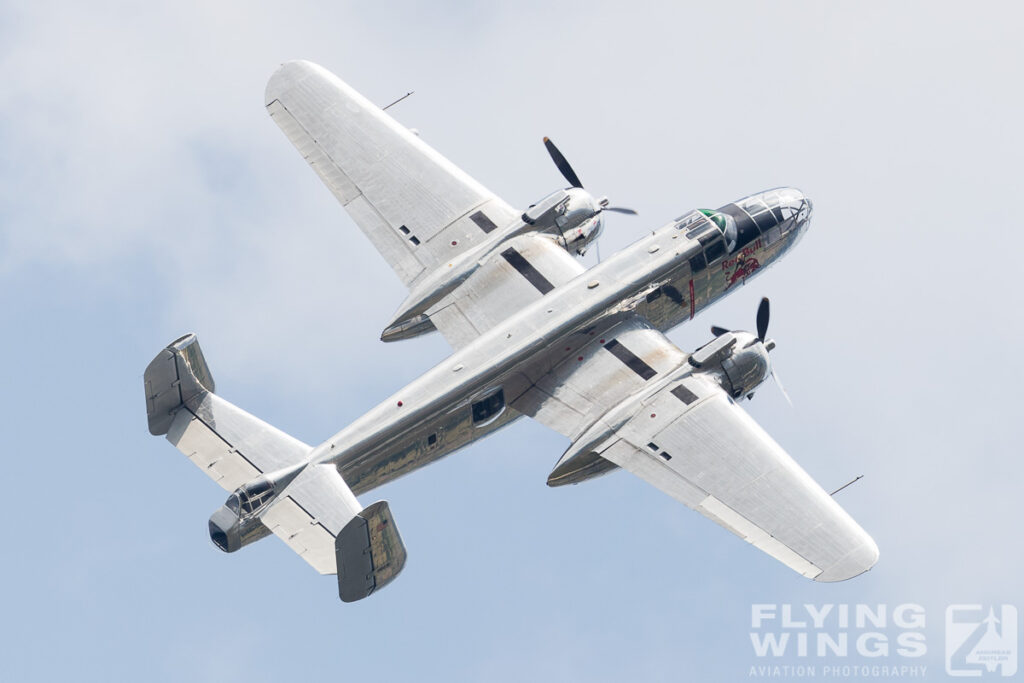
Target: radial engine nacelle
pixel 739 361
pixel 572 216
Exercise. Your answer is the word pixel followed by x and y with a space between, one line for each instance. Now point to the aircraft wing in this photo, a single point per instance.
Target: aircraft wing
pixel 526 268
pixel 575 385
pixel 689 439
pixel 416 207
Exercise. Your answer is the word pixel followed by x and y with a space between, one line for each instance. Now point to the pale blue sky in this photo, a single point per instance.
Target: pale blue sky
pixel 145 193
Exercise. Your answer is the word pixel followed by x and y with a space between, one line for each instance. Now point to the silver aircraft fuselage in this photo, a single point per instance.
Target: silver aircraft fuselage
pixel 667 277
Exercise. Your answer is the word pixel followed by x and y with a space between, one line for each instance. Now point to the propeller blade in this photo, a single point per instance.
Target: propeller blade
pixel 778 383
pixel 620 209
pixel 562 164
pixel 762 318
pixel 597 248
pixel 718 331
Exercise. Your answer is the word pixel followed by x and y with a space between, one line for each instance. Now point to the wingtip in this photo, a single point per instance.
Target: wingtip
pixel 853 564
pixel 284 76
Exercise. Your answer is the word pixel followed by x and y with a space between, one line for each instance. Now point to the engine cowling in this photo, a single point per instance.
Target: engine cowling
pixel 572 216
pixel 747 367
pixel 739 361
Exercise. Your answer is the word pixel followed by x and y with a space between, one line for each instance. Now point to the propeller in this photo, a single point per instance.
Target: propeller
pixel 763 313
pixel 562 163
pixel 574 180
pixel 763 316
pixel 778 383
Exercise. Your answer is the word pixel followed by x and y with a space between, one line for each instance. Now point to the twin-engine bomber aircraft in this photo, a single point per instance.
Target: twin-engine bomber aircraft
pixel 535 333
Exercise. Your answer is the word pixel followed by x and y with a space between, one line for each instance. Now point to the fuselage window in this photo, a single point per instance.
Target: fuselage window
pixel 700 230
pixel 488 409
pixel 698 263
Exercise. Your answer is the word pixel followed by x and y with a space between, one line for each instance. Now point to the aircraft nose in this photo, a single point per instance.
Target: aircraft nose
pixel 808 210
pixel 793 206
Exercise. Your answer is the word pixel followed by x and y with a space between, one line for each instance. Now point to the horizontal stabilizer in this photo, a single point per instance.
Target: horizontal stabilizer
pixel 228 444
pixel 370 553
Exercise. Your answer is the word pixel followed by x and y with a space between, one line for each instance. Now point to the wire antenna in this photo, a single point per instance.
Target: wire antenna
pixel 398 100
pixel 854 481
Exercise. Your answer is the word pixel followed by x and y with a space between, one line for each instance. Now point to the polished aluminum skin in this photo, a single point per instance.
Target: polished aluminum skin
pixel 534 333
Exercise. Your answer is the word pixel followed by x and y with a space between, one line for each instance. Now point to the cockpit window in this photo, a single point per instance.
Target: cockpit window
pixel 726 225
pixel 253 496
pixel 717 218
pixel 259 488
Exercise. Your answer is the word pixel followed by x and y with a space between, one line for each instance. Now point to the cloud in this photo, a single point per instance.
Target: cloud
pixel 144 193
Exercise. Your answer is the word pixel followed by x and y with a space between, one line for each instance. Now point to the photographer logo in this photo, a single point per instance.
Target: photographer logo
pixel 980 641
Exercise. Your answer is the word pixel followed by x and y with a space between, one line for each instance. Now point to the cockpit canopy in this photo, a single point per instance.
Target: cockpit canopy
pixel 726 224
pixel 251 497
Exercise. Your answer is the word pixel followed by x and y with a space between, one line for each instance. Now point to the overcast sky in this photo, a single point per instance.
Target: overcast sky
pixel 145 193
